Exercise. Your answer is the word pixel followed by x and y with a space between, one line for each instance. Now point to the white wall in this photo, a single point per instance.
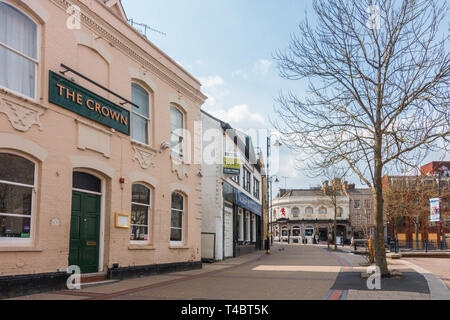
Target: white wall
pixel 212 199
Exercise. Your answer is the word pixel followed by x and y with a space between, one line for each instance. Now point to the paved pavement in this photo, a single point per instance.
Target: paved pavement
pixel 290 272
pixel 438 266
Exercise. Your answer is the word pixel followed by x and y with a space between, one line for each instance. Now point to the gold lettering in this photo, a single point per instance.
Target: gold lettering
pixel 124 120
pixel 97 108
pixel 79 99
pixel 72 95
pixel 114 115
pixel 61 88
pixel 88 104
pixel 106 114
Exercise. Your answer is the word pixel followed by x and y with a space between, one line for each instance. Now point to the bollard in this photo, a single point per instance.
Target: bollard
pixel 371 251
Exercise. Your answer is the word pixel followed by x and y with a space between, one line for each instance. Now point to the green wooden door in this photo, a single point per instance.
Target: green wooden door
pixel 85 231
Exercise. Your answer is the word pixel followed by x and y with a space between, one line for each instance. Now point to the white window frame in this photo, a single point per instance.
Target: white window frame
pixel 35 61
pixel 149 210
pixel 309 208
pixel 148 119
pixel 18 241
pixel 178 155
pixel 359 204
pixel 179 242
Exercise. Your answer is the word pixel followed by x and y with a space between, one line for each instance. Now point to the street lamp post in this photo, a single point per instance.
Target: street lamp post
pixel 269 180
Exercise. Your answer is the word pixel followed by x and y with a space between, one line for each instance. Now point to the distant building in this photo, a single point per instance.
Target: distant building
pixel 307 215
pixel 405 227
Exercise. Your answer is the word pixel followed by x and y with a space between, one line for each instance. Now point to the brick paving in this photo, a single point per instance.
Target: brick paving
pixel 290 272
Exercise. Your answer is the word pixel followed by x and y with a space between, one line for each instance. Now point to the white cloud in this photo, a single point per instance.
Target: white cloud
pixel 240 117
pixel 240 73
pixel 211 81
pixel 262 66
pixel 214 88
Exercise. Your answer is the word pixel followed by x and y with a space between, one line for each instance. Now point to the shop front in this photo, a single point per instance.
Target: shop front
pixel 248 228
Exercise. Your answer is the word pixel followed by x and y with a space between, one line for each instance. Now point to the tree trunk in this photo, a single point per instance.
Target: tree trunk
pixel 380 251
pixel 335 226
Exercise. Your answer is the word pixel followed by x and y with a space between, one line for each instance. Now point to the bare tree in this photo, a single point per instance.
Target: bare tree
pixel 378 74
pixel 334 192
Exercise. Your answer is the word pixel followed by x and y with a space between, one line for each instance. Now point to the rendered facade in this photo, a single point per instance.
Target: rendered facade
pixel 97 131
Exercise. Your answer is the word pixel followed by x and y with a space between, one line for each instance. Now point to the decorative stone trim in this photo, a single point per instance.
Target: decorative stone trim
pixel 180 168
pixel 144 156
pixel 17 142
pixel 22 116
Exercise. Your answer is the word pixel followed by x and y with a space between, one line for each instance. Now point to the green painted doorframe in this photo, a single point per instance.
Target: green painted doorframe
pixel 85 231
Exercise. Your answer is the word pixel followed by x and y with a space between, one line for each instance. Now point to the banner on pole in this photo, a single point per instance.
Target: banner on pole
pixel 435 210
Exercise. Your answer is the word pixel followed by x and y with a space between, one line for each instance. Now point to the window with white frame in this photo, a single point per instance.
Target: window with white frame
pixel 140 117
pixel 18 51
pixel 339 212
pixel 177 216
pixel 246 180
pixel 17 190
pixel 295 212
pixel 176 132
pixel 357 204
pixel 322 211
pixel 256 188
pixel 140 213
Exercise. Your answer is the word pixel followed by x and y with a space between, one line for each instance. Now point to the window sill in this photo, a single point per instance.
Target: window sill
pixel 174 246
pixel 144 146
pixel 20 249
pixel 140 247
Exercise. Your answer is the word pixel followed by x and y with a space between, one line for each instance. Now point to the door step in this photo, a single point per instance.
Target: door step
pixel 93 277
pixel 98 283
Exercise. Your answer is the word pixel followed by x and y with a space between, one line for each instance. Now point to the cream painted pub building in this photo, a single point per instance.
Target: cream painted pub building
pixel 96 152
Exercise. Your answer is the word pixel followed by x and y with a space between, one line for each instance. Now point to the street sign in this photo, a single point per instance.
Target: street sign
pixel 435 210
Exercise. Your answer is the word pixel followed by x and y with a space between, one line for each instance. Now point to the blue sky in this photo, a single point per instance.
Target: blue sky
pixel 229 46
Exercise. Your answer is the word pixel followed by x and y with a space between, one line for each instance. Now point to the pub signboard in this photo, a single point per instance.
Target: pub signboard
pixel 84 102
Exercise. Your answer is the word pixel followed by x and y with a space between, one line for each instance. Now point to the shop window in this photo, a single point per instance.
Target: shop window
pixel 240 226
pixel 247 227
pixel 296 232
pixel 18 51
pixel 176 132
pixel 254 228
pixel 17 189
pixel 140 213
pixel 177 215
pixel 140 117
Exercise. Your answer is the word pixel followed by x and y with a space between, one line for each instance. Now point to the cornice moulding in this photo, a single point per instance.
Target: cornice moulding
pixel 125 45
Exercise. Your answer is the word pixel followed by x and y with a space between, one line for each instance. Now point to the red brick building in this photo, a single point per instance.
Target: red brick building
pixel 415 226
